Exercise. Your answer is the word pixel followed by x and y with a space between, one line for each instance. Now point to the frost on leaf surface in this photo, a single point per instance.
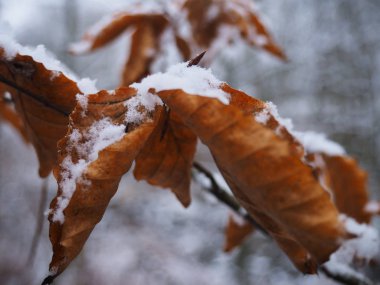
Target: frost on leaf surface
pixel 98 149
pixel 364 246
pixel 339 174
pixel 100 135
pixel 193 80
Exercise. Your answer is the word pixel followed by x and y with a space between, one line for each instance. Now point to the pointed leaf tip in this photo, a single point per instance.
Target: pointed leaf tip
pixel 196 60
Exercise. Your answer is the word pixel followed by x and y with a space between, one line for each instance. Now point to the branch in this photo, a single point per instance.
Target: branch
pixel 348 279
pixel 223 196
pixel 39 222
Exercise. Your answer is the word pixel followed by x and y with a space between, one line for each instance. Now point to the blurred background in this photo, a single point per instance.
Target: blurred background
pixel 330 84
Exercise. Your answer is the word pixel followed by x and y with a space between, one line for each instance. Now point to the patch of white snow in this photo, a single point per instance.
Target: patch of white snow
pixel 193 80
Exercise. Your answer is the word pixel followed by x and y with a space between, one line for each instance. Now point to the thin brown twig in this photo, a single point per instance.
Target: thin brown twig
pixel 39 223
pixel 346 279
pixel 223 196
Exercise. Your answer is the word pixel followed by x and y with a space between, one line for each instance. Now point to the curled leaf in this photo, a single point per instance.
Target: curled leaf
pixel 181 29
pixel 112 26
pixel 167 156
pixel 43 98
pixel 98 149
pixel 236 233
pixel 251 106
pixel 346 181
pixel 145 41
pixel 8 114
pixel 211 20
pixel 266 176
pixel 138 64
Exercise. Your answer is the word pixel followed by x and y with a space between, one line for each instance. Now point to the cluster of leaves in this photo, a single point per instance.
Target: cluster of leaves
pixel 186 26
pixel 295 195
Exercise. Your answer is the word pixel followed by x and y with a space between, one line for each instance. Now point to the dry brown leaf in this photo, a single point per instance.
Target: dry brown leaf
pixel 144 46
pixel 268 44
pixel 251 106
pixel 297 254
pixel 96 184
pixel 237 14
pixel 43 99
pixel 340 174
pixel 109 29
pixel 266 176
pixel 166 159
pixel 144 41
pixel 236 233
pixel 147 43
pixel 8 114
pixel 346 181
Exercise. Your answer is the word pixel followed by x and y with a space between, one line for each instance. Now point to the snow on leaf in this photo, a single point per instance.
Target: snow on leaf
pixel 191 79
pixel 372 207
pixel 318 143
pixel 43 98
pixel 171 31
pixel 265 173
pixel 363 247
pixel 338 173
pixel 98 149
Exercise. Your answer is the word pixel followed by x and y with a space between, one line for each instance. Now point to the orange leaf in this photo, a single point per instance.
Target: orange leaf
pixel 236 233
pixel 268 44
pixel 93 156
pixel 111 27
pixel 209 16
pixel 292 248
pixel 251 106
pixel 167 157
pixel 43 99
pixel 148 42
pixel 266 176
pixel 9 115
pixel 347 183
pixel 144 42
pixel 144 46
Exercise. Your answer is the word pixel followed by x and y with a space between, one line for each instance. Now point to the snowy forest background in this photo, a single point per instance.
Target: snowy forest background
pixel 331 84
